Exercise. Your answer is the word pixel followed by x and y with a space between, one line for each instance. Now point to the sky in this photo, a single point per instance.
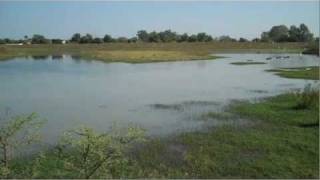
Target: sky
pixel 59 19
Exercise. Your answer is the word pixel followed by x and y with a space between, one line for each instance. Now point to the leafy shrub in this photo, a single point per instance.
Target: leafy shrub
pixel 84 153
pixel 308 98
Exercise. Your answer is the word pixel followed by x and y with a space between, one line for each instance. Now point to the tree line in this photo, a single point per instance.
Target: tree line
pixel 280 33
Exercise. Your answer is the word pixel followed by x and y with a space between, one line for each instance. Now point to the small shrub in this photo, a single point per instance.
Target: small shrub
pixel 84 153
pixel 308 98
pixel 15 133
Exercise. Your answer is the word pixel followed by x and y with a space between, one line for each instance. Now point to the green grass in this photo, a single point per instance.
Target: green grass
pixel 247 63
pixel 283 142
pixel 148 52
pixel 280 142
pixel 298 73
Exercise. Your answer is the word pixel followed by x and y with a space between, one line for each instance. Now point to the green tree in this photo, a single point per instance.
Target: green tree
pixel 294 33
pixel 133 40
pixel 192 38
pixel 183 38
pixel 39 39
pixel 97 40
pixel 107 38
pixel 76 37
pixel 122 39
pixel 305 35
pixel 143 35
pixel 203 37
pixel 86 39
pixel 279 33
pixel 56 41
pixel 265 37
pixel 154 37
pixel 243 39
pixel 226 39
pixel 168 36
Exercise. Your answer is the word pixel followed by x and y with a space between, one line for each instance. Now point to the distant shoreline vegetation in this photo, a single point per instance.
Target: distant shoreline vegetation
pixel 280 33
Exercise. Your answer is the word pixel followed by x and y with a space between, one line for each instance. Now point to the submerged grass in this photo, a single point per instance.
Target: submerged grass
pixel 247 63
pixel 283 143
pixel 147 52
pixel 298 73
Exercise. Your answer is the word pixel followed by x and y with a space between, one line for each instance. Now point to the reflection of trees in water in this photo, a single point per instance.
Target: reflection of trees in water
pixel 40 57
pixel 57 57
pixel 78 59
pixel 75 57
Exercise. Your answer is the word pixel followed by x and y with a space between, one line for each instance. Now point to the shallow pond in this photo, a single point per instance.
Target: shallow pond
pixel 163 98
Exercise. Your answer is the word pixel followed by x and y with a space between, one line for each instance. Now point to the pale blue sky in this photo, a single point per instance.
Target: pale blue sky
pixel 237 19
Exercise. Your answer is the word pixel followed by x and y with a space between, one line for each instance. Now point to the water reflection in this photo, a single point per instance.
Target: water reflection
pixel 57 57
pixel 40 57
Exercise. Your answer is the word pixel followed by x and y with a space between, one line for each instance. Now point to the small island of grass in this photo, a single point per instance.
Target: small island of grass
pixel 298 73
pixel 247 63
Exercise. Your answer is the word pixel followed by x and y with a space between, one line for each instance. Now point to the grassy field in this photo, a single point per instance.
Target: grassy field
pixel 298 73
pixel 148 52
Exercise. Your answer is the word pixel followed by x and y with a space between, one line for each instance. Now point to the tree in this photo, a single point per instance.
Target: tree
pixel 133 40
pixel 256 40
pixel 76 38
pixel 203 37
pixel 265 37
pixel 192 38
pixel 97 40
pixel 243 39
pixel 143 35
pixel 294 33
pixel 279 33
pixel 39 39
pixel 107 38
pixel 86 39
pixel 15 133
pixel 122 39
pixel 154 37
pixel 183 38
pixel 226 39
pixel 304 35
pixel 56 41
pixel 168 36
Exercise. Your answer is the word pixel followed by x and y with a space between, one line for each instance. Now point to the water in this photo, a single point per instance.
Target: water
pixel 163 98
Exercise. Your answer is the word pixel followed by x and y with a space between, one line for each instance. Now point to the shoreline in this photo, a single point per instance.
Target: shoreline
pixel 148 52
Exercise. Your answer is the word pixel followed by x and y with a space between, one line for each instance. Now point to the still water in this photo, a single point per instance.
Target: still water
pixel 163 98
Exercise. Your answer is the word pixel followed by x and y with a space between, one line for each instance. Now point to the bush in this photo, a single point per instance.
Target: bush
pixel 83 153
pixel 308 98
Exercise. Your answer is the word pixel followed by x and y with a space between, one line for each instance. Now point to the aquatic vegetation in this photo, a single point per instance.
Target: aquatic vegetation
pixel 308 98
pixel 298 73
pixel 247 63
pixel 16 133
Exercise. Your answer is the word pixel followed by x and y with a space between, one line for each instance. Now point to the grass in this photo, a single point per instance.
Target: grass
pixel 281 142
pixel 298 73
pixel 148 52
pixel 247 63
